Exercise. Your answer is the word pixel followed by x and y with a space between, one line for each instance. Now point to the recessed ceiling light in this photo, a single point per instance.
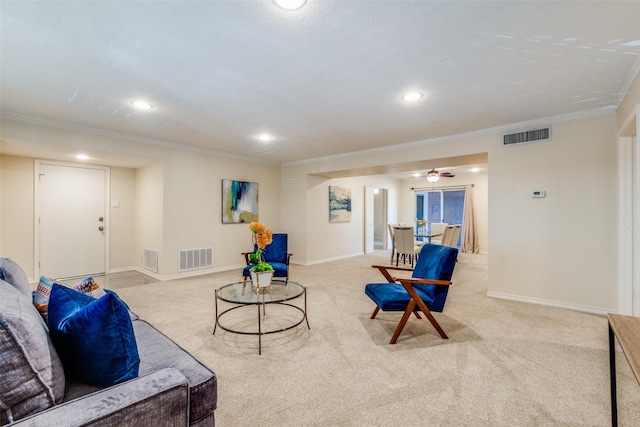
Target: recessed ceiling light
pixel 289 4
pixel 82 157
pixel 265 137
pixel 142 105
pixel 475 169
pixel 412 96
pixel 416 175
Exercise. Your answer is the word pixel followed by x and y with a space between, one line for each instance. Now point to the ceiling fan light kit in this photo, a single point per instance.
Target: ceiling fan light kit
pixel 433 176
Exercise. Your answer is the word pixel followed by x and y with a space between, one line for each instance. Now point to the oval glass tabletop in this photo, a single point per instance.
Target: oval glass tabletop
pixel 244 293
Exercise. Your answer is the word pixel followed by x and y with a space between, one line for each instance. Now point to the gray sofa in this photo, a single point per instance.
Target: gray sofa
pixel 172 388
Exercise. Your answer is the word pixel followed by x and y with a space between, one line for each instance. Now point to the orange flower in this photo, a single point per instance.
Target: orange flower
pixel 261 234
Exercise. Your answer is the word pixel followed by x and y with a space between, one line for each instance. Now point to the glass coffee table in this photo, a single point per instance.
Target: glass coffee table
pixel 241 294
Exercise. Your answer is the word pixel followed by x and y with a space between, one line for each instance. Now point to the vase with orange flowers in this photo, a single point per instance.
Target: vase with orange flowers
pixel 261 272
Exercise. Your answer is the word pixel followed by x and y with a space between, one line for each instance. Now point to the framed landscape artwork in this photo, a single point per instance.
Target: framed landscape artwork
pixel 239 201
pixel 339 204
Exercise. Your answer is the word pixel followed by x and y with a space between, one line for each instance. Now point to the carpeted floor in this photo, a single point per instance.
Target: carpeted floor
pixel 505 363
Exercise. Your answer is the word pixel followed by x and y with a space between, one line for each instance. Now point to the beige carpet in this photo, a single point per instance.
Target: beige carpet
pixel 506 363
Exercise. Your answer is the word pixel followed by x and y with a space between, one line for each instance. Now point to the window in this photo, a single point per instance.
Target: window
pixel 444 205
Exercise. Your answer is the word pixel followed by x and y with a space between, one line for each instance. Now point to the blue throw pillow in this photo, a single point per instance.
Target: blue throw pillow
pixel 94 337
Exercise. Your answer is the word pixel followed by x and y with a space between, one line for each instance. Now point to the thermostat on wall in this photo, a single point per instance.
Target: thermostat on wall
pixel 538 193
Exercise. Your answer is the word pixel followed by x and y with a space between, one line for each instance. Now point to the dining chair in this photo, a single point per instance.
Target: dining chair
pixel 437 232
pixel 450 236
pixel 393 241
pixel 406 245
pixel 426 290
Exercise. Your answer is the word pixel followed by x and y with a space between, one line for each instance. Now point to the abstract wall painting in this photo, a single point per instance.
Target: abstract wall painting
pixel 339 204
pixel 239 201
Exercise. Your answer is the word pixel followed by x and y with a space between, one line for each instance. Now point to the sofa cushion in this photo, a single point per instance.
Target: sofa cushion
pixel 94 337
pixel 32 377
pixel 12 273
pixel 159 352
pixel 41 296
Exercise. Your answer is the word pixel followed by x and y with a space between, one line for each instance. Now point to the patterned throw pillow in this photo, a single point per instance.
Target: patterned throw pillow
pixel 90 287
pixel 42 294
pixel 94 337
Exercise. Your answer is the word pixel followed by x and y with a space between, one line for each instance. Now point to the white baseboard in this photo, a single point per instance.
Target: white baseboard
pixel 539 301
pixel 182 275
pixel 321 261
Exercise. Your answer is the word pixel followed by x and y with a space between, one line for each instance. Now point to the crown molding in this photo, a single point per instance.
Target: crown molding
pixel 127 137
pixel 545 121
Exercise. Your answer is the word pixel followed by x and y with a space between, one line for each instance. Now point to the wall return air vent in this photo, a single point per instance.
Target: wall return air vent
pixel 194 259
pixel 150 259
pixel 533 135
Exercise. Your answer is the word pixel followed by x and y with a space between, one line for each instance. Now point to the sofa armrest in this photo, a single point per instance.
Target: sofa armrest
pixel 158 399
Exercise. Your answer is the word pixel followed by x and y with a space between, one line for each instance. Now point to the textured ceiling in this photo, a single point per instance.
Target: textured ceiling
pixel 324 80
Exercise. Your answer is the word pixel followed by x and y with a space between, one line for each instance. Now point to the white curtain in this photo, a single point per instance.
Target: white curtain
pixel 469 237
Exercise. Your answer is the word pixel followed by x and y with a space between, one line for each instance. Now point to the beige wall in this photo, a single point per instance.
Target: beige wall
pixel 192 207
pixel 17 210
pixel 121 217
pixel 553 250
pixel 562 248
pixel 173 202
pixel 149 212
pixel 480 201
pixel 1 160
pixel 332 240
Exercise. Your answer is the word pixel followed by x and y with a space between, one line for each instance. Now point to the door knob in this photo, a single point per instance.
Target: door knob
pixel 101 228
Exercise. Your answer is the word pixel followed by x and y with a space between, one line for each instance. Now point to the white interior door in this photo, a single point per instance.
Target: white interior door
pixel 72 220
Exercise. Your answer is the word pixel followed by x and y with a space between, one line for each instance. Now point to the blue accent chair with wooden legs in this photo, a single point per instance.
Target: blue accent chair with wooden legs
pixel 275 254
pixel 425 291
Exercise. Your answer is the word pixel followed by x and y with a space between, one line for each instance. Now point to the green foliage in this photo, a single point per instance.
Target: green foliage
pixel 261 266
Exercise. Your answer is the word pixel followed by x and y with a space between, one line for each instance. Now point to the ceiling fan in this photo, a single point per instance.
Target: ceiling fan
pixel 433 175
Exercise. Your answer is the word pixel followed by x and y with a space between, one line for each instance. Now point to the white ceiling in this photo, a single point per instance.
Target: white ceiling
pixel 324 80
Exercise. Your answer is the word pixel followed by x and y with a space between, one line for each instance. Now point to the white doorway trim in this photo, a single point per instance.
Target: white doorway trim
pixel 37 209
pixel 370 215
pixel 626 160
pixel 629 216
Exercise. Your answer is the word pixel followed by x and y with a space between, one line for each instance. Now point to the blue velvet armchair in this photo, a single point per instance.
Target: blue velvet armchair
pixel 425 291
pixel 276 253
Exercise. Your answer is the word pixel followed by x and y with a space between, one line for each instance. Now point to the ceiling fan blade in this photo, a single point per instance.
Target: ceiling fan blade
pixel 446 174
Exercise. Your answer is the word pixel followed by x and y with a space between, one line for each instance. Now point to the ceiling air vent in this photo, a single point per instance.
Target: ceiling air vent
pixel 542 134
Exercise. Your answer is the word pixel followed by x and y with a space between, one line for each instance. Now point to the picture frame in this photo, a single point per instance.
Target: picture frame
pixel 239 201
pixel 339 204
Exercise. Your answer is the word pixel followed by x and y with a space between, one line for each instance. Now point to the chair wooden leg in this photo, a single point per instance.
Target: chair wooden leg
pixel 432 319
pixel 375 313
pixel 403 321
